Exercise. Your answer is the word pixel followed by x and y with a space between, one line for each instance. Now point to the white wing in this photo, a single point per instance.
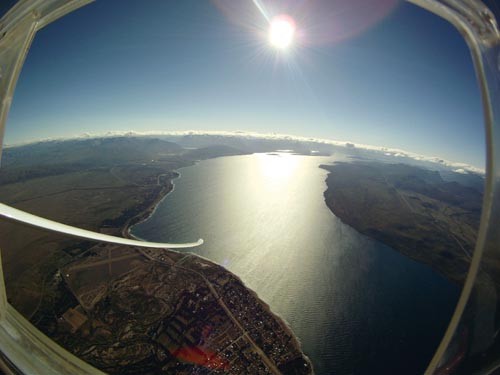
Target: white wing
pixel 37 221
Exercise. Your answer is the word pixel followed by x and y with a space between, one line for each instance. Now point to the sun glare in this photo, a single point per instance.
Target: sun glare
pixel 277 167
pixel 281 32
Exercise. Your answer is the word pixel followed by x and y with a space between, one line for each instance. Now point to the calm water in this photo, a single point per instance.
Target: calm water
pixel 357 306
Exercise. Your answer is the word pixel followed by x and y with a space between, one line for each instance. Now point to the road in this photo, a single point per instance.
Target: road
pixel 270 364
pixel 101 262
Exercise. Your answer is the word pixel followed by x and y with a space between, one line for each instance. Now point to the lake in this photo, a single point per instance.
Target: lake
pixel 357 306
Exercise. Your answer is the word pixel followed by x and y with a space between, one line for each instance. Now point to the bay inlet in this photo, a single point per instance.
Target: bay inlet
pixel 357 306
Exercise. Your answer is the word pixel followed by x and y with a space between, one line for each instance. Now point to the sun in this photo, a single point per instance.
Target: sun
pixel 281 32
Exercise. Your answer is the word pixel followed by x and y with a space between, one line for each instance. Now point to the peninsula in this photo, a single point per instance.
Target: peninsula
pixel 411 209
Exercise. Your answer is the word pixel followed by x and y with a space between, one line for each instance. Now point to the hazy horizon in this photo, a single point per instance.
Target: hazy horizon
pixel 397 154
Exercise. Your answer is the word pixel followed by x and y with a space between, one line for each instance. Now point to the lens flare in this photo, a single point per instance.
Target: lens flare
pixel 318 22
pixel 281 31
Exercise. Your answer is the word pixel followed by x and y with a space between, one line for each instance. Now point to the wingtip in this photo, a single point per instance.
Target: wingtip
pixel 40 222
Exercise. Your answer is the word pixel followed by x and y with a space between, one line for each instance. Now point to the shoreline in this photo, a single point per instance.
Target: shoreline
pixel 427 252
pixel 282 321
pixel 148 212
pixel 384 241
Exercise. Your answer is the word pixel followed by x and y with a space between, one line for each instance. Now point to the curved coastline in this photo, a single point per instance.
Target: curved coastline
pixel 147 213
pixel 352 243
pixel 281 320
pixel 412 229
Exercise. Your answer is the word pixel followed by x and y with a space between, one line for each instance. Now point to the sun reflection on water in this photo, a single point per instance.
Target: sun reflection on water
pixel 277 166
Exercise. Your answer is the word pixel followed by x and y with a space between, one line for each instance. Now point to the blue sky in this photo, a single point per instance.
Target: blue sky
pixel 403 80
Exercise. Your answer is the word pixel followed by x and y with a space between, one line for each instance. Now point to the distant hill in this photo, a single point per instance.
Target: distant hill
pixel 59 157
pixel 472 180
pixel 248 144
pixel 210 152
pixel 102 151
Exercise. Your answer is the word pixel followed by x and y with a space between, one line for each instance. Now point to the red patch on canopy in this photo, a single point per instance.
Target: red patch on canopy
pixel 201 357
